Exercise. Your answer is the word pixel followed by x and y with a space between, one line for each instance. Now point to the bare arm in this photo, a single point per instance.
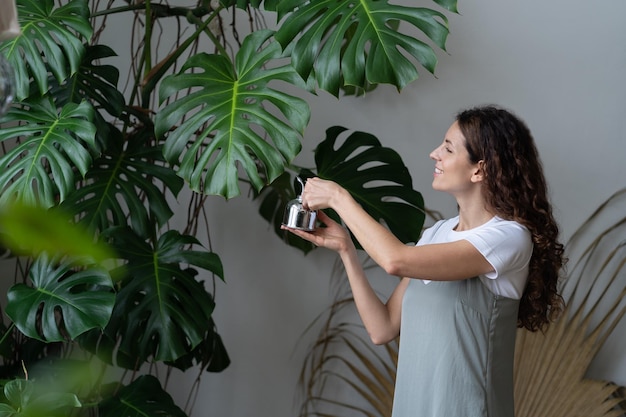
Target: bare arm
pixel 381 320
pixel 439 262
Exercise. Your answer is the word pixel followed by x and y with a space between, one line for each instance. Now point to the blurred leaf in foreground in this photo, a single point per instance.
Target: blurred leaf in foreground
pixel 32 230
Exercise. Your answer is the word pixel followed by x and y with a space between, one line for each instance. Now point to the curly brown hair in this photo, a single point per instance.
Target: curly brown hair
pixel 516 189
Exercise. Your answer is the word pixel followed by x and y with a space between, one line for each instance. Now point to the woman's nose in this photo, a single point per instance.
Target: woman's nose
pixel 434 154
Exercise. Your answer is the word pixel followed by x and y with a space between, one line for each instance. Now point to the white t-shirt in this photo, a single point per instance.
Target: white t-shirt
pixel 505 244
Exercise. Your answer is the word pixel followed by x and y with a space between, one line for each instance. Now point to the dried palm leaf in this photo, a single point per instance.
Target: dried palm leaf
pixel 551 367
pixel 343 363
pixel 344 360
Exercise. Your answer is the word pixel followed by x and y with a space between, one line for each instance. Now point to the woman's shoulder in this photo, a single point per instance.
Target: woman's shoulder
pixel 503 232
pixel 497 230
pixel 500 223
pixel 444 225
pixel 439 228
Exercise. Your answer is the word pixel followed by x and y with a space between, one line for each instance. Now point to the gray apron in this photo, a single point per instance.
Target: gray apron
pixel 457 342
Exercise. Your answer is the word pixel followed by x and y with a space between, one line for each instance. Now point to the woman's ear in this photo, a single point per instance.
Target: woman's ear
pixel 479 172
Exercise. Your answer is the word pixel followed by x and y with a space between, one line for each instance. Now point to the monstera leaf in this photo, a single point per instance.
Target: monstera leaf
pixel 119 179
pixel 358 40
pixel 377 179
pixel 374 175
pixel 50 42
pixel 161 309
pixel 83 299
pixel 210 354
pixel 143 397
pixel 40 169
pixel 94 82
pixel 224 117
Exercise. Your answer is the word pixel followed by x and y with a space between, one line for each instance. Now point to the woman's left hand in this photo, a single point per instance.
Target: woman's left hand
pixel 332 235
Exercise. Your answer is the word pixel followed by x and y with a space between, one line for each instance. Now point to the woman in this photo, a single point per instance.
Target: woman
pixel 470 281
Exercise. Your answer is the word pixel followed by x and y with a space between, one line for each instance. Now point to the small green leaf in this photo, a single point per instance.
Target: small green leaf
pixel 19 391
pixel 31 399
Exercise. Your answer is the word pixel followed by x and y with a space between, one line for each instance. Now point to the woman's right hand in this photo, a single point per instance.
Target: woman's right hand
pixel 332 235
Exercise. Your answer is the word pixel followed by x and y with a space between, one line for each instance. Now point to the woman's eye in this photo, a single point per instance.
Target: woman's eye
pixel 448 150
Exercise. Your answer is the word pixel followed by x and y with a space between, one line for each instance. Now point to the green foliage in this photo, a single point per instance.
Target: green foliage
pixel 120 179
pixel 161 310
pixel 94 82
pixel 143 397
pixel 375 176
pixel 27 399
pixel 354 42
pixel 83 299
pixel 232 101
pixel 41 169
pixel 377 179
pixel 92 175
pixel 33 230
pixel 52 42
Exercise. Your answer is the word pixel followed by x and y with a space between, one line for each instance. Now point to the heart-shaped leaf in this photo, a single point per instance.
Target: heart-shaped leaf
pixel 225 120
pixel 29 399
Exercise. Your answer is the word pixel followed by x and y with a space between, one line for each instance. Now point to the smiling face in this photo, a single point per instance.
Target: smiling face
pixel 454 172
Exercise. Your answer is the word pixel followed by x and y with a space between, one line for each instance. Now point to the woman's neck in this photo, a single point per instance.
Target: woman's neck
pixel 473 214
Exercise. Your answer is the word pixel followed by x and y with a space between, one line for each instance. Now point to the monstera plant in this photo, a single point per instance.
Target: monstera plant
pixel 208 107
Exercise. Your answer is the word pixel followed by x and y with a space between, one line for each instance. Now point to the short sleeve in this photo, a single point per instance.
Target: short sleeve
pixel 506 245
